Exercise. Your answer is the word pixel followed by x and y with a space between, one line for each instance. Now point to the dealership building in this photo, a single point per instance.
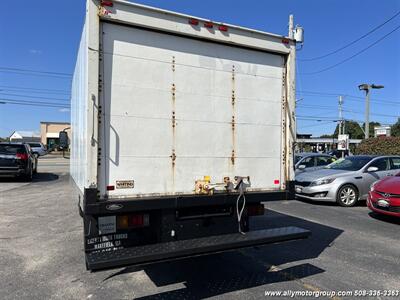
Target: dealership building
pixel 49 132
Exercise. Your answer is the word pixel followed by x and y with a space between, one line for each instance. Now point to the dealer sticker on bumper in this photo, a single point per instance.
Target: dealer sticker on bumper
pixel 107 225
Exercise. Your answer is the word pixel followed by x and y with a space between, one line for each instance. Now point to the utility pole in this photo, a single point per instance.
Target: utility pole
pixel 344 126
pixel 291 27
pixel 340 115
pixel 367 88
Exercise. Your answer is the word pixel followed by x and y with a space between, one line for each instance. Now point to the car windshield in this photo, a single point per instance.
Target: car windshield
pixel 352 163
pixel 11 149
pixel 297 158
pixel 36 145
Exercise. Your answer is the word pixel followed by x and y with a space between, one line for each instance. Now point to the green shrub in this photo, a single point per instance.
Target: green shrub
pixel 380 146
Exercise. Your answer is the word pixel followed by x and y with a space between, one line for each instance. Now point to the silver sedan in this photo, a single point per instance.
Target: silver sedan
pixel 306 162
pixel 347 180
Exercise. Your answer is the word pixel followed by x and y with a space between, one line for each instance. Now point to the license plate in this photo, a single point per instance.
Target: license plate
pixel 298 189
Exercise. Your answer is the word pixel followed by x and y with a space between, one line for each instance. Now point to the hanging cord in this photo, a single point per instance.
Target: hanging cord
pixel 240 212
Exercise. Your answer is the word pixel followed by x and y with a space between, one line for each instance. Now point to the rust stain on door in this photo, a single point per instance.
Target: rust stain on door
pixel 173 121
pixel 233 121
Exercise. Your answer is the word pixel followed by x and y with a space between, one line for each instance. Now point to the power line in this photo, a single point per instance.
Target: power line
pixel 305 118
pixel 29 104
pixel 317 106
pixel 33 92
pixel 319 114
pixel 5 69
pixel 37 75
pixel 358 99
pixel 7 100
pixel 319 93
pixel 316 118
pixel 375 100
pixel 313 125
pixel 354 55
pixel 334 95
pixel 35 97
pixel 372 114
pixel 17 90
pixel 351 43
pixel 34 89
pixel 344 94
pixel 320 107
pixel 27 72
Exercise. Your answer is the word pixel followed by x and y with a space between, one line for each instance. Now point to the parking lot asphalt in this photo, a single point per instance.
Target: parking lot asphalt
pixel 41 251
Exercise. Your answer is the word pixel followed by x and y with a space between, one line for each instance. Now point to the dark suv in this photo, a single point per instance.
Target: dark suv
pixel 17 160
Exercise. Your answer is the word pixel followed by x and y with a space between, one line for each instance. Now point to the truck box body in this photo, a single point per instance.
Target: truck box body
pixel 168 109
pixel 166 94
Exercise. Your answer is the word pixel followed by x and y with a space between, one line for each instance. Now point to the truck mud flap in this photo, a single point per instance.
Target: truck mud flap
pixel 192 247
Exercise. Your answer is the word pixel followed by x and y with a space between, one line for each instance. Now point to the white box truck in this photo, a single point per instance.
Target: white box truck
pixel 181 127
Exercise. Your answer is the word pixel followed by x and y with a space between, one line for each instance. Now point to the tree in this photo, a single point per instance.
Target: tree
pixel 351 128
pixel 372 128
pixel 396 129
pixel 328 136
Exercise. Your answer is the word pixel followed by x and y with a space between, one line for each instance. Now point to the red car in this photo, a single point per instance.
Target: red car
pixel 384 196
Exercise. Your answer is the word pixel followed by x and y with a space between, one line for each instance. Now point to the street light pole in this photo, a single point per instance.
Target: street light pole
pixel 367 88
pixel 366 133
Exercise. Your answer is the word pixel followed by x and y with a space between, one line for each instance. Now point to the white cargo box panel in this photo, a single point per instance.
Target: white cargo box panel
pixel 176 109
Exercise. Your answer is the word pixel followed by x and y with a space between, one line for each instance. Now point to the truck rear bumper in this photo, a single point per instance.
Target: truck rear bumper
pixel 191 247
pixel 94 207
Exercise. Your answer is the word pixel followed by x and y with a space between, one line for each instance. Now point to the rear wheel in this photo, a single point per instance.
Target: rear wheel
pixel 36 163
pixel 28 177
pixel 347 195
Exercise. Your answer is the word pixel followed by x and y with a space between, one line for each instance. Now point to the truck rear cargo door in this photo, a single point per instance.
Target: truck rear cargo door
pixel 176 109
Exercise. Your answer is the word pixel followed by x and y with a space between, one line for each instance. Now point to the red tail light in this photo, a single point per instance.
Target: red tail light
pixel 110 187
pixel 136 220
pixel 133 221
pixel 22 156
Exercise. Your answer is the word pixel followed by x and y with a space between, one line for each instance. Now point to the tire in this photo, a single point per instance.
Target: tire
pixel 347 195
pixel 28 177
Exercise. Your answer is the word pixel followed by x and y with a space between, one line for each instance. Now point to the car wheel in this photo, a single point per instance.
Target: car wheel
pixel 28 177
pixel 347 195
